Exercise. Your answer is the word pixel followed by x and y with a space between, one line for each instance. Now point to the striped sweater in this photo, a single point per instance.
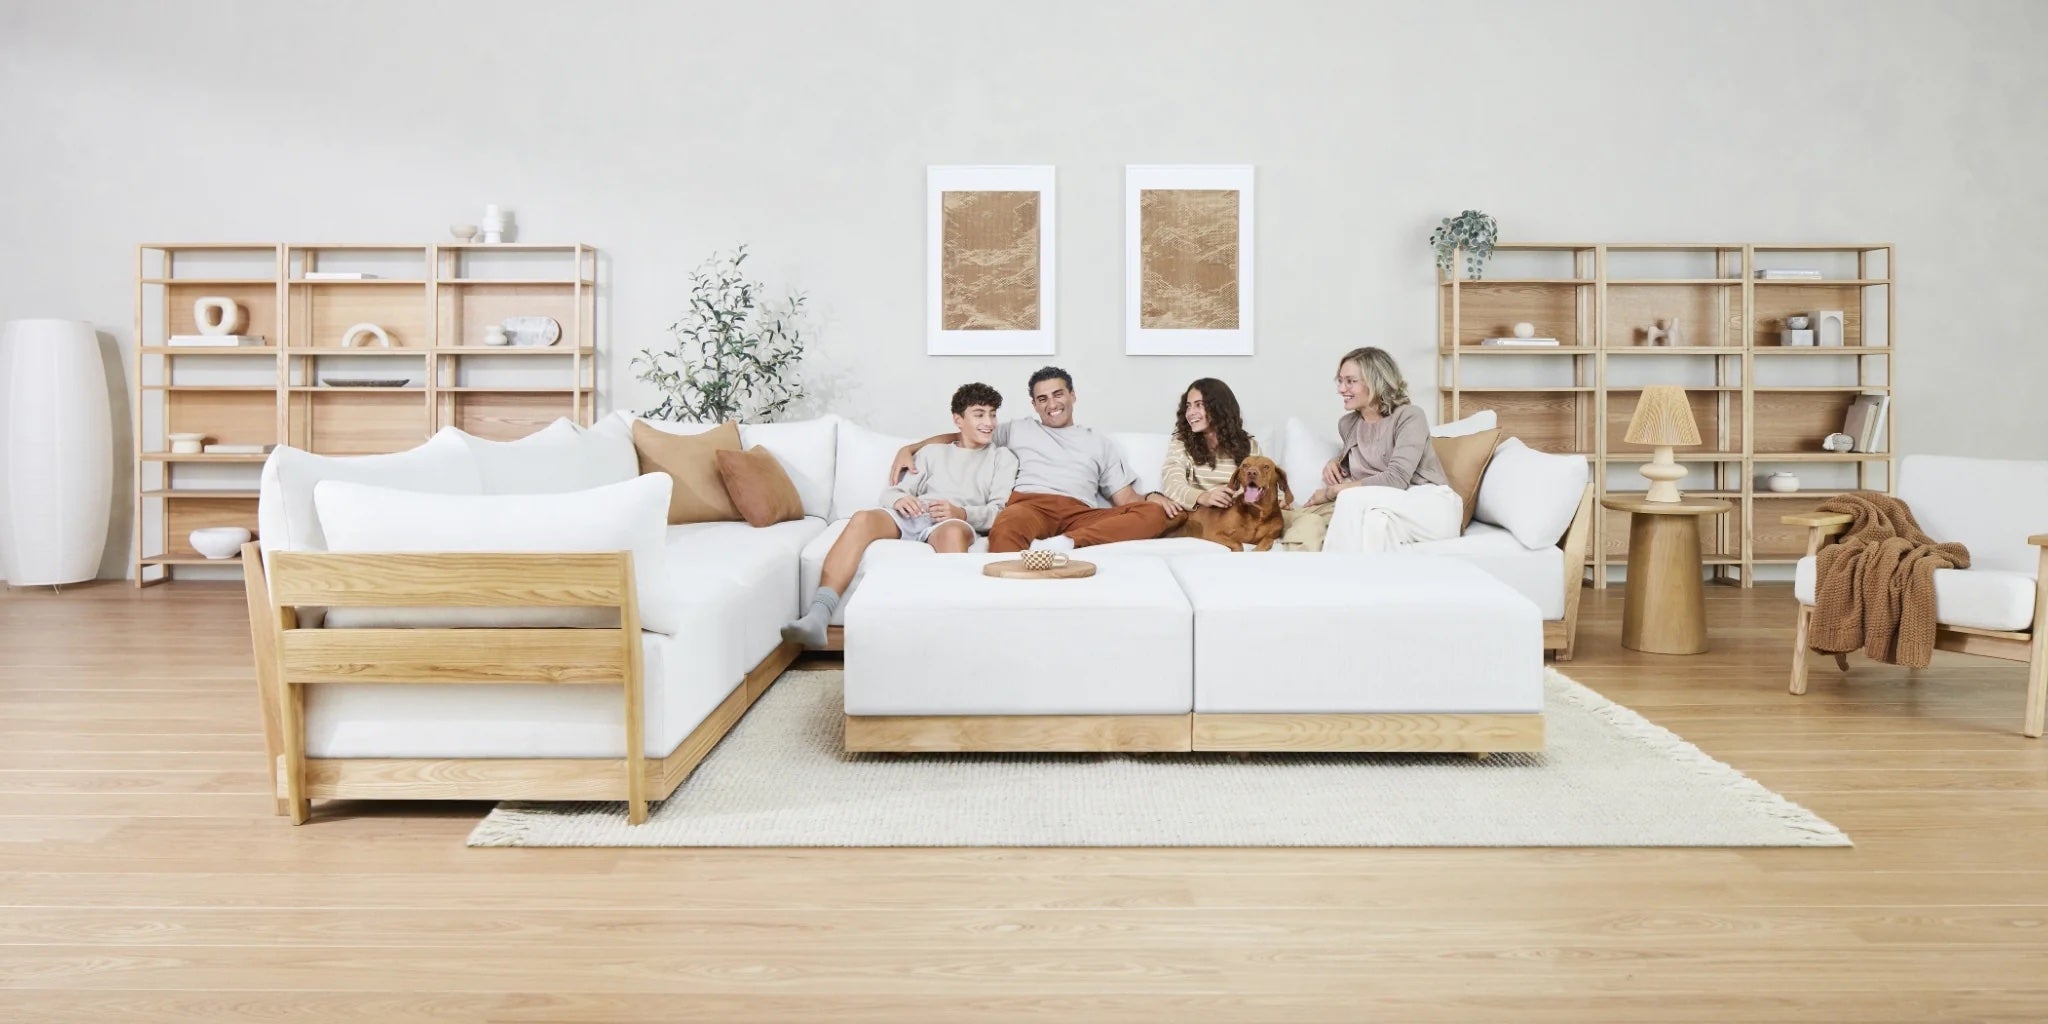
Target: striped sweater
pixel 1184 482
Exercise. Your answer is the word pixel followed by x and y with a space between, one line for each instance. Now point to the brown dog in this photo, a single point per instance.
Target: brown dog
pixel 1261 487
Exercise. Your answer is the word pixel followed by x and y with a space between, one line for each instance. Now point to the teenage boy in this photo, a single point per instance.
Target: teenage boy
pixel 952 493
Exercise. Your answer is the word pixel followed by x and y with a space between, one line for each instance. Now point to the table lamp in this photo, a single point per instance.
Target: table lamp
pixel 1663 419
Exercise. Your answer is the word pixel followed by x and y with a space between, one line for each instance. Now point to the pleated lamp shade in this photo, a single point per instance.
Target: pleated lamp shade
pixel 56 452
pixel 1663 419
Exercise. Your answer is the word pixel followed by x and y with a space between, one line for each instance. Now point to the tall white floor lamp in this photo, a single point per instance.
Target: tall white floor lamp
pixel 56 452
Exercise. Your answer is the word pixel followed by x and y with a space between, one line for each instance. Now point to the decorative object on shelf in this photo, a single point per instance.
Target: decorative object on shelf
pixel 337 275
pixel 494 335
pixel 219 541
pixel 1788 274
pixel 1796 333
pixel 56 430
pixel 1471 231
pixel 1865 421
pixel 1838 442
pixel 218 314
pixel 494 224
pixel 1783 482
pixel 734 355
pixel 1663 420
pixel 989 258
pixel 358 332
pixel 213 340
pixel 1797 323
pixel 462 232
pixel 1188 261
pixel 186 444
pixel 1519 342
pixel 365 382
pixel 1663 333
pixel 1525 330
pixel 1828 327
pixel 239 449
pixel 532 331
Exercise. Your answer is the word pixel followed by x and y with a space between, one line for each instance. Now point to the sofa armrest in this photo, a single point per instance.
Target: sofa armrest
pixel 1826 522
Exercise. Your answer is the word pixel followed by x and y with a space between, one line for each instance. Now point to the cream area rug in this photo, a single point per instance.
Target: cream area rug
pixel 1609 778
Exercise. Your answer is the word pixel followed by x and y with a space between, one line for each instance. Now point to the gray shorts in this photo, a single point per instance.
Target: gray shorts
pixel 917 528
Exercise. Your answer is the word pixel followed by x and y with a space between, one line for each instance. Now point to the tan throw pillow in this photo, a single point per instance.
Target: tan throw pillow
pixel 691 461
pixel 760 487
pixel 1465 460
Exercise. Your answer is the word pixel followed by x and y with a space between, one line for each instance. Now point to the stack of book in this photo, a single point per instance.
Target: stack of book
pixel 1865 421
pixel 214 340
pixel 1788 274
pixel 1519 342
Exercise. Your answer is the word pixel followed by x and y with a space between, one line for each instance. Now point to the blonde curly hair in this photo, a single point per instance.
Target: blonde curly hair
pixel 1382 376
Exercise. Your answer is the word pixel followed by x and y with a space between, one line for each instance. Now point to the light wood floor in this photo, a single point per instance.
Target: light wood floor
pixel 143 877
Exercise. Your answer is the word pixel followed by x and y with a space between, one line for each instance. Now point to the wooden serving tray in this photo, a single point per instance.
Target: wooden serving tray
pixel 1014 570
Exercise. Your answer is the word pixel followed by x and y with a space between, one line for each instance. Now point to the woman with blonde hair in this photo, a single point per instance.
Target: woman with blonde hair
pixel 1386 488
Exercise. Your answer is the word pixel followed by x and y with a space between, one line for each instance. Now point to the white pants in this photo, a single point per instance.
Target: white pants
pixel 1370 519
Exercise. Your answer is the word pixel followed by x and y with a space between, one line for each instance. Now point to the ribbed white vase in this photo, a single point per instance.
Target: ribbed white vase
pixel 56 452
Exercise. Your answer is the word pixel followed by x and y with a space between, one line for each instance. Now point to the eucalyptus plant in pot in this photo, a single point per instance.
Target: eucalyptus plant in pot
pixel 1471 231
pixel 733 354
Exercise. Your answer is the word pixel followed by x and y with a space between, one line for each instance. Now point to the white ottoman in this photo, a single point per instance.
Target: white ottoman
pixel 1361 652
pixel 941 657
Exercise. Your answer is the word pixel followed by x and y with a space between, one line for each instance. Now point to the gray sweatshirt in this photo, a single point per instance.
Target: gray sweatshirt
pixel 978 480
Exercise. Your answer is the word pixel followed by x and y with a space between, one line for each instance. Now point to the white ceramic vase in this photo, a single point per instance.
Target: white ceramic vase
pixel 56 452
pixel 1783 483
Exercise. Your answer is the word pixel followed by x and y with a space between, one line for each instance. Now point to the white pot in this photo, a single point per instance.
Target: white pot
pixel 1783 483
pixel 219 541
pixel 56 452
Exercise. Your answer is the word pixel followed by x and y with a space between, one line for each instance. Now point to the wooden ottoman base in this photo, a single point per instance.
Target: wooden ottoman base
pixel 1390 733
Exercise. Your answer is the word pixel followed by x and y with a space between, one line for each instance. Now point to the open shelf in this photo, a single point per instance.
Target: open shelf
pixel 210 350
pixel 1825 282
pixel 192 559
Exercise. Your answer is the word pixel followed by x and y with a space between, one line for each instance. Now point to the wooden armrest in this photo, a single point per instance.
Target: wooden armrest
pixel 2039 540
pixel 1827 522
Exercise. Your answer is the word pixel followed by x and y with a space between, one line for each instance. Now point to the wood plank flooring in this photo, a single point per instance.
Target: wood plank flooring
pixel 143 876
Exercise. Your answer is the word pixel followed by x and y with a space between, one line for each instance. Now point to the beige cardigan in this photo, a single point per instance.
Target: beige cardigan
pixel 1184 482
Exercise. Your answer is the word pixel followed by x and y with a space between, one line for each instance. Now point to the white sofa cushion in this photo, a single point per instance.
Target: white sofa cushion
pixel 812 564
pixel 286 519
pixel 1532 494
pixel 560 457
pixel 1484 419
pixel 1977 598
pixel 1145 453
pixel 861 470
pixel 629 516
pixel 1535 574
pixel 807 450
pixel 1991 505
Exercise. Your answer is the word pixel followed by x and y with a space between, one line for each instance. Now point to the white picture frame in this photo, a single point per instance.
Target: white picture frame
pixel 957 326
pixel 1149 329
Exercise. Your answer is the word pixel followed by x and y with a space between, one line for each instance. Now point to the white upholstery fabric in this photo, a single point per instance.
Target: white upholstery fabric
pixel 1306 451
pixel 285 517
pixel 807 450
pixel 1977 598
pixel 1484 419
pixel 860 469
pixel 1537 575
pixel 561 457
pixel 1391 633
pixel 1145 453
pixel 934 636
pixel 1532 494
pixel 1991 505
pixel 621 517
pixel 813 563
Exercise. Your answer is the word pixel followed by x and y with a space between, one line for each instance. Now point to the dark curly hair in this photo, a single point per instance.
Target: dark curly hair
pixel 973 394
pixel 1231 440
pixel 1045 374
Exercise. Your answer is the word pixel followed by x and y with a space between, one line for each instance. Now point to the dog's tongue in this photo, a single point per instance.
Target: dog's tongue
pixel 1251 495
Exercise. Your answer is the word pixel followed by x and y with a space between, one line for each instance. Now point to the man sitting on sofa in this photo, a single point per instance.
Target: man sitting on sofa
pixel 1073 488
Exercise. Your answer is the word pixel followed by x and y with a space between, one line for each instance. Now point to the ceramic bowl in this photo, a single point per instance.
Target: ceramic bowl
pixel 186 444
pixel 219 541
pixel 465 232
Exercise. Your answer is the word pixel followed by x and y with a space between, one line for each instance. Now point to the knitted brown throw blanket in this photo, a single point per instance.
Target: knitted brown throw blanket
pixel 1874 587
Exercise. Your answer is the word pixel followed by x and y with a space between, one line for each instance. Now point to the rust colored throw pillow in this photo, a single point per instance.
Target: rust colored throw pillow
pixel 691 460
pixel 760 487
pixel 1465 460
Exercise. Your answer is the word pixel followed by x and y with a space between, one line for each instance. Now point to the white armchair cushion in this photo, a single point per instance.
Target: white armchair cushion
pixel 286 519
pixel 861 470
pixel 630 516
pixel 1990 505
pixel 1977 598
pixel 561 457
pixel 1531 494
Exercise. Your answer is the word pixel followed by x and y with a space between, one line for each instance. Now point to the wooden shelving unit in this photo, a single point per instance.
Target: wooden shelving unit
pixel 433 300
pixel 1758 411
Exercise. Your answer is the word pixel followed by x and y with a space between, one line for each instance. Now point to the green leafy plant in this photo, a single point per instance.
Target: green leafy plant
pixel 734 355
pixel 1471 231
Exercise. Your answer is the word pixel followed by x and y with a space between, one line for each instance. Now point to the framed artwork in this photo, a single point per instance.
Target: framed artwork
pixel 989 261
pixel 1188 260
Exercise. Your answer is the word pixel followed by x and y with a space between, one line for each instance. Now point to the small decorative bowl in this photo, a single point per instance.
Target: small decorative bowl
pixel 219 541
pixel 186 444
pixel 464 232
pixel 1796 323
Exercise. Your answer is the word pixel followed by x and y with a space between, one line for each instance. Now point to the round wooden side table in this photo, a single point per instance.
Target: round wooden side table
pixel 1664 612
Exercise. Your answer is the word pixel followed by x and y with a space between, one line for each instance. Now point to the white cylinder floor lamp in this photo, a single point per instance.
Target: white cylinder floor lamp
pixel 56 452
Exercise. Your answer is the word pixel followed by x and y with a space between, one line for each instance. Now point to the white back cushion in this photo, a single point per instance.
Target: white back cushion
pixel 1484 419
pixel 630 516
pixel 286 519
pixel 807 450
pixel 1145 454
pixel 1305 452
pixel 1531 494
pixel 1990 505
pixel 561 457
pixel 860 472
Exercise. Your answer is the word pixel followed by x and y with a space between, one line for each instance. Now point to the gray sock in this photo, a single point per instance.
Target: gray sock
pixel 809 629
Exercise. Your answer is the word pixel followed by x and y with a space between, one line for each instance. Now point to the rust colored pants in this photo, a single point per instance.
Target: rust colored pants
pixel 1030 517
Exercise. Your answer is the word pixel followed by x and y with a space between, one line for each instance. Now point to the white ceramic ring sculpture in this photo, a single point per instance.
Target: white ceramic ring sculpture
pixel 218 314
pixel 350 336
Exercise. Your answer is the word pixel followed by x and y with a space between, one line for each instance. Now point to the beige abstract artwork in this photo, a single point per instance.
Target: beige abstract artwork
pixel 989 270
pixel 1188 251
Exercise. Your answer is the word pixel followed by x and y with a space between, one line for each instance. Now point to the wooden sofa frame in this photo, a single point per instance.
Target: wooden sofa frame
pixel 290 658
pixel 2029 647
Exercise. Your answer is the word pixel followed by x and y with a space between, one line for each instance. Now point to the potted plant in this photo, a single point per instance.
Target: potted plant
pixel 733 355
pixel 1471 231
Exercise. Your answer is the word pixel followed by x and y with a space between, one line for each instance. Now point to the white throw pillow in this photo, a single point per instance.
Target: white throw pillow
pixel 1484 419
pixel 861 470
pixel 807 450
pixel 1145 454
pixel 285 517
pixel 1305 452
pixel 561 457
pixel 1531 494
pixel 630 516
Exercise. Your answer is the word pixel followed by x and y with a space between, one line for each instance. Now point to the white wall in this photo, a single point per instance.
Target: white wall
pixel 659 132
